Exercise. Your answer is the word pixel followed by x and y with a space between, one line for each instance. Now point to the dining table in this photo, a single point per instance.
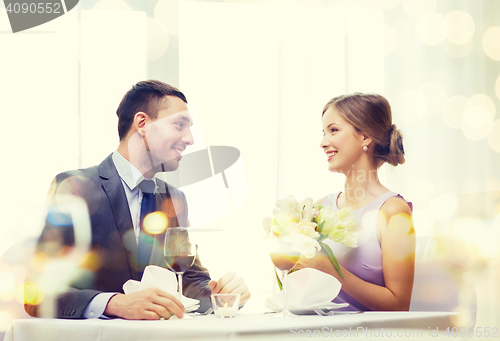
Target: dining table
pixel 261 326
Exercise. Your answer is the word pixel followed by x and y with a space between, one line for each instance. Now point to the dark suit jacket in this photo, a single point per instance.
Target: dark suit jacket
pixel 113 238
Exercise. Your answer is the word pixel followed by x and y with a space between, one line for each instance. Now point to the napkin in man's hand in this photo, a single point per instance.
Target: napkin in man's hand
pixel 161 278
pixel 308 289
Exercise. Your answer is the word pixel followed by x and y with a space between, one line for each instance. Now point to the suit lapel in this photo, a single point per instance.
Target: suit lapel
pixel 113 187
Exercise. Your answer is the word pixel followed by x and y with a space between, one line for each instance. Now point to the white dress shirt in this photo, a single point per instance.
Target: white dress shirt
pixel 131 177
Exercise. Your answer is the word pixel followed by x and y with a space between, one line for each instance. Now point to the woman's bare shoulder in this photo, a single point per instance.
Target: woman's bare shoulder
pixel 394 206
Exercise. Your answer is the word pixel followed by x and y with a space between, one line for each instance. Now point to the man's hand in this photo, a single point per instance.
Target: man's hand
pixel 149 304
pixel 230 283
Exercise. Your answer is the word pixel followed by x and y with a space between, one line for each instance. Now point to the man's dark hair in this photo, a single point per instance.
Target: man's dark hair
pixel 146 96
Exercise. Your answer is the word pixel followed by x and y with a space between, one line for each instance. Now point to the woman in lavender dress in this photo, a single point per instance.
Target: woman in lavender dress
pixel 358 138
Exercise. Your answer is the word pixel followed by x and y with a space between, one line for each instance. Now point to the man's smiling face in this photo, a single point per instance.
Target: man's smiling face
pixel 169 134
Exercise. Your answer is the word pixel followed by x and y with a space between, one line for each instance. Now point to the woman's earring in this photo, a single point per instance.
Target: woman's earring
pixel 365 148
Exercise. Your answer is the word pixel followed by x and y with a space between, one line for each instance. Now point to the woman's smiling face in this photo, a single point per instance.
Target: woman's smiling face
pixel 342 143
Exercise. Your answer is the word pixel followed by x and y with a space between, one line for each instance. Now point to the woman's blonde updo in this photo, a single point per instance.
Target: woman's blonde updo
pixel 371 115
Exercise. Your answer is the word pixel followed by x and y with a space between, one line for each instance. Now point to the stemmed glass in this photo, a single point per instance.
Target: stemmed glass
pixel 179 252
pixel 65 240
pixel 284 259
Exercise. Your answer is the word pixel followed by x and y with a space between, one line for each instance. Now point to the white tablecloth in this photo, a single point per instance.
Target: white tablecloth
pixel 258 325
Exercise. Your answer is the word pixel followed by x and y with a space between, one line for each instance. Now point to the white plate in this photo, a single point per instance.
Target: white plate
pixel 329 306
pixel 320 312
pixel 311 310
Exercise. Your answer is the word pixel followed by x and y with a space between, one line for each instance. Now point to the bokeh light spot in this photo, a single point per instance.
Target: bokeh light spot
pixel 368 219
pixel 471 186
pixel 435 97
pixel 479 112
pixel 155 223
pixel 483 101
pixel 443 206
pixel 401 224
pixel 416 8
pixel 33 295
pixel 477 232
pixel 382 218
pixel 468 229
pixel 461 27
pixel 167 13
pixel 6 318
pixel 391 40
pixel 407 37
pixel 7 296
pixel 432 29
pixel 19 293
pixel 91 261
pixel 488 244
pixel 410 106
pixel 385 4
pixel 476 124
pixel 7 283
pixel 19 272
pixel 424 190
pixel 158 39
pixel 83 187
pixel 458 257
pixel 491 43
pixel 39 261
pixel 423 222
pixel 354 13
pixel 494 136
pixel 492 184
pixel 462 319
pixel 454 111
pixel 497 87
pixel 457 51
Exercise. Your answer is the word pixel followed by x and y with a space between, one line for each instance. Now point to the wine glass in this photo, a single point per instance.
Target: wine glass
pixel 284 259
pixel 179 252
pixel 65 240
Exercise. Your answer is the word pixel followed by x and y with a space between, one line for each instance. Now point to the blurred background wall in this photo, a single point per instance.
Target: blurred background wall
pixel 258 74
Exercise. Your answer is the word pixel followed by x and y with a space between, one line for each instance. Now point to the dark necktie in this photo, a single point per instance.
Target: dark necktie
pixel 145 240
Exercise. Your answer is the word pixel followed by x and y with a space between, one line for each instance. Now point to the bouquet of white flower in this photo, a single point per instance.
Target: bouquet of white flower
pixel 304 226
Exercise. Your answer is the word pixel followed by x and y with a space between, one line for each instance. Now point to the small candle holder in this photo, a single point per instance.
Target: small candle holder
pixel 226 305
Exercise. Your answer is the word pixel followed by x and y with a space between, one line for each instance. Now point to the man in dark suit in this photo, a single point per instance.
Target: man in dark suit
pixel 154 130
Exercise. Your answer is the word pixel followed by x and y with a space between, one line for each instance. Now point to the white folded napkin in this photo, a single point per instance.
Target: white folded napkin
pixel 161 278
pixel 308 289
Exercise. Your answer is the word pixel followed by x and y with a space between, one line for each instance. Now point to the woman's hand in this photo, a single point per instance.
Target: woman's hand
pixel 397 241
pixel 321 262
pixel 230 283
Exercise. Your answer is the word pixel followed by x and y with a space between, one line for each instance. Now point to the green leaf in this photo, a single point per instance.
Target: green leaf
pixel 278 280
pixel 322 237
pixel 332 258
pixel 320 226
